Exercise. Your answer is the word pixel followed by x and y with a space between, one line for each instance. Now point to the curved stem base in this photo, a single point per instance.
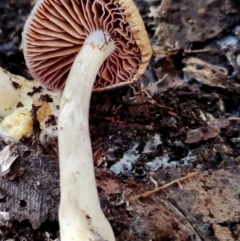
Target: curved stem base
pixel 80 214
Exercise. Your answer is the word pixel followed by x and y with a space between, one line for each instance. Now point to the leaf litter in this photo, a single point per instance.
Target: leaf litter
pixel 181 118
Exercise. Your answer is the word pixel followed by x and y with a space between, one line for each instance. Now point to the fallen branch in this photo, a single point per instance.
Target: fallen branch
pixel 148 193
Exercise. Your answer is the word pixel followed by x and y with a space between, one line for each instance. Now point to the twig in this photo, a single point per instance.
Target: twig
pixel 189 51
pixel 160 106
pixel 114 121
pixel 148 193
pixel 233 118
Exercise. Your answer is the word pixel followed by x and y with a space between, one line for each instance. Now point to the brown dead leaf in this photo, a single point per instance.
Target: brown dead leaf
pixel 98 156
pixel 109 186
pixel 205 73
pixel 187 21
pixel 222 233
pixel 211 130
pixel 214 196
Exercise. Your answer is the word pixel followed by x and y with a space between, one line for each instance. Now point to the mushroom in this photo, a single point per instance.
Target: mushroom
pixel 78 46
pixel 17 96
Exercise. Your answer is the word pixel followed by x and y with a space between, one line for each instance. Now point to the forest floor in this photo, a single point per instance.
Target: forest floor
pixel 183 131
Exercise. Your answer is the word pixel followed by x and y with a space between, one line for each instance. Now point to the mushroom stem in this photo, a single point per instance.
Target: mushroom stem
pixel 17 97
pixel 80 214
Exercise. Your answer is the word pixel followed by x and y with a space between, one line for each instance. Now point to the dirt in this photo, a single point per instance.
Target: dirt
pixel 146 135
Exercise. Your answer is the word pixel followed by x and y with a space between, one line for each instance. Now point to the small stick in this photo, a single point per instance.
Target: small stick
pixel 114 121
pixel 189 51
pixel 233 118
pixel 148 193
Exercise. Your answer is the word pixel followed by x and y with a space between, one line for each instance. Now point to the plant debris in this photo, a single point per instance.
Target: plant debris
pixel 182 118
pixel 7 156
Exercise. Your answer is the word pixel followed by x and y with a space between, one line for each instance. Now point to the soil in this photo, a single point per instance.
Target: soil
pixel 182 117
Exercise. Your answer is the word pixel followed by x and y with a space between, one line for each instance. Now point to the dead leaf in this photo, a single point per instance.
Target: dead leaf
pixel 98 156
pixel 4 219
pixel 222 233
pixel 7 156
pixel 205 73
pixel 109 185
pixel 210 130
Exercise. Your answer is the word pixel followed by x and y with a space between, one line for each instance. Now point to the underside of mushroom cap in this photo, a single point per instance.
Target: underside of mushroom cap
pixel 57 29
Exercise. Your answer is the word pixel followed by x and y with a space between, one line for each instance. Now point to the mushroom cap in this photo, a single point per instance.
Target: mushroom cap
pixel 56 30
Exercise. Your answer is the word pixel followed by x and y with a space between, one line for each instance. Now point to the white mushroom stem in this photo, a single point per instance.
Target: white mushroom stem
pixel 14 89
pixel 16 103
pixel 80 214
